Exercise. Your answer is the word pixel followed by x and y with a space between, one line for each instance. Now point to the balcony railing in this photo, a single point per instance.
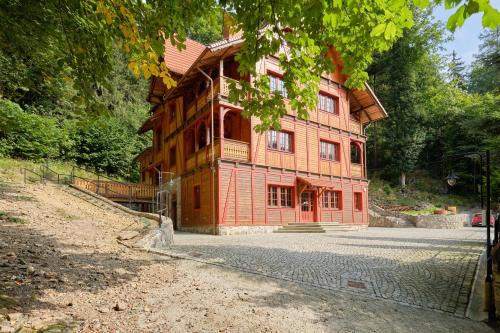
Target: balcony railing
pixel 236 150
pixel 233 150
pixel 356 170
pixel 355 127
pixel 224 85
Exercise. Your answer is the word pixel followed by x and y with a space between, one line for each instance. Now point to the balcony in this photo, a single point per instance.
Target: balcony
pixel 232 150
pixel 236 150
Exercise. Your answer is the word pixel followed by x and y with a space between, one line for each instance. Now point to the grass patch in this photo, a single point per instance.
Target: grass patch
pixel 422 194
pixel 7 302
pixel 10 171
pixel 7 217
pixel 424 211
pixel 56 328
pixel 64 214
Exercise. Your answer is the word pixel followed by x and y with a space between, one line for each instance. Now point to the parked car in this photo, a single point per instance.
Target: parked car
pixel 477 220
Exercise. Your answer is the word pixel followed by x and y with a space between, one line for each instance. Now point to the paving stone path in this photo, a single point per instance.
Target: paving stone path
pixel 427 268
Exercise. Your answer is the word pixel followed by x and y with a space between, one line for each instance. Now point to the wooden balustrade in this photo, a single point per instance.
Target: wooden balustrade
pixel 356 170
pixel 233 150
pixel 355 127
pixel 118 191
pixel 224 88
pixel 236 150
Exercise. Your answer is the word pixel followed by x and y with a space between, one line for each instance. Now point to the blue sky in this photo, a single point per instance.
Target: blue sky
pixel 466 38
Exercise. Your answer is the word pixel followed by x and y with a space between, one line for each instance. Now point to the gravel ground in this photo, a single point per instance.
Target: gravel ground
pixel 61 268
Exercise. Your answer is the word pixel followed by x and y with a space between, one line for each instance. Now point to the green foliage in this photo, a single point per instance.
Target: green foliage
pixel 403 78
pixel 485 72
pixel 26 135
pixel 457 71
pixel 53 42
pixel 104 144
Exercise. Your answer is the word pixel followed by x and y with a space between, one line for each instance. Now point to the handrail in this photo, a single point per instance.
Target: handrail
pixel 98 174
pixel 24 170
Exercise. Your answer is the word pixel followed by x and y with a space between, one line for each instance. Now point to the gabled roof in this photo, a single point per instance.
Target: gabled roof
pixel 180 61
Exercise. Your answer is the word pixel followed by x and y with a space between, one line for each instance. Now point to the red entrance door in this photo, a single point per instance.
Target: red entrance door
pixel 307 206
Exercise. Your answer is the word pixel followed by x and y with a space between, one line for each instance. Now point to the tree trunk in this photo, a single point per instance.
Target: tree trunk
pixel 403 180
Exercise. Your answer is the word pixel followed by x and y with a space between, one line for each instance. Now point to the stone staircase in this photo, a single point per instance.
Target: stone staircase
pixel 318 227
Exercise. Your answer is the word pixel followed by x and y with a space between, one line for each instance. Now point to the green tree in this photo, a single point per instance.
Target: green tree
pixel 28 136
pixel 456 70
pixel 485 69
pixel 404 79
pixel 77 37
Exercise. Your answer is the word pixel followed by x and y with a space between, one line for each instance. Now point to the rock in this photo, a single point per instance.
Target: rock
pixel 30 270
pixel 103 310
pixel 11 255
pixel 129 234
pixel 159 238
pixel 120 306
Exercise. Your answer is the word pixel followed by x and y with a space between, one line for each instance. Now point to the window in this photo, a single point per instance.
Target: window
pixel 355 153
pixel 285 195
pixel 358 201
pixel 197 197
pixel 332 200
pixel 280 140
pixel 329 150
pixel 173 156
pixel 272 196
pixel 158 140
pixel 327 103
pixel 276 83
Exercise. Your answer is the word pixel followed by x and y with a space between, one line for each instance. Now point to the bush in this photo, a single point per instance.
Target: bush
pixel 27 136
pixel 106 144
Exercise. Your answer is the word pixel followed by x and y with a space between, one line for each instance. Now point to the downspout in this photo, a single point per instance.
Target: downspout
pixel 212 164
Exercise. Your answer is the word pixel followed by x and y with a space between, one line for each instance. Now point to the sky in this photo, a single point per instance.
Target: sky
pixel 466 38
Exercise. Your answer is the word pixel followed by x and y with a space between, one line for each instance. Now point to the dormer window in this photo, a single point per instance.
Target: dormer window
pixel 327 103
pixel 276 83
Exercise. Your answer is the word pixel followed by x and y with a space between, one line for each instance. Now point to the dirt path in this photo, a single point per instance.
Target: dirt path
pixel 64 266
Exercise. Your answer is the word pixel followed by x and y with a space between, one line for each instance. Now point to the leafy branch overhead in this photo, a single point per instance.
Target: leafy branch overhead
pixel 82 34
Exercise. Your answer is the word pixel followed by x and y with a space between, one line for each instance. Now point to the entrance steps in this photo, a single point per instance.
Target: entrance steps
pixel 318 227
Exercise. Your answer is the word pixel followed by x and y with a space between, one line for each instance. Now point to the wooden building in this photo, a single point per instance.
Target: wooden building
pixel 231 179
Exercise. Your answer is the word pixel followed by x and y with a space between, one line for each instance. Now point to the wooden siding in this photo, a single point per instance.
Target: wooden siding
pixel 190 216
pixel 243 198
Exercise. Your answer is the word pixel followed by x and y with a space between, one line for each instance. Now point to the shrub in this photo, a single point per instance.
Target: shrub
pixel 27 136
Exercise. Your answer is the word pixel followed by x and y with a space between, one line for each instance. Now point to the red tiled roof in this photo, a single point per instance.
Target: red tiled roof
pixel 180 61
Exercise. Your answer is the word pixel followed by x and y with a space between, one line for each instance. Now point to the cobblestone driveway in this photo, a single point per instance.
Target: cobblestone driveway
pixel 427 268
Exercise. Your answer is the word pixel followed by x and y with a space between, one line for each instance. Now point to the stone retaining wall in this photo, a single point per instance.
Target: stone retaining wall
pixel 232 230
pixel 452 221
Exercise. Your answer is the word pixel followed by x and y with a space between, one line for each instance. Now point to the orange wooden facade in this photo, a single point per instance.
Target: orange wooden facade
pixel 310 171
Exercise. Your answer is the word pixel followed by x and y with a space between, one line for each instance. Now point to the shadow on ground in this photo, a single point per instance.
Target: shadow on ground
pixel 31 263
